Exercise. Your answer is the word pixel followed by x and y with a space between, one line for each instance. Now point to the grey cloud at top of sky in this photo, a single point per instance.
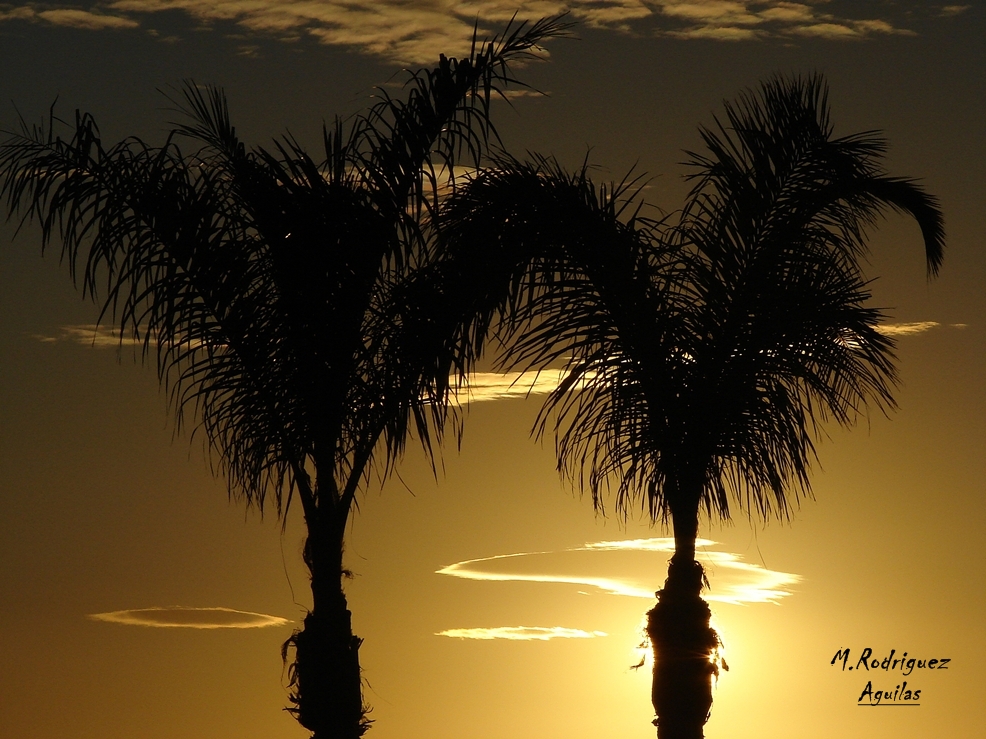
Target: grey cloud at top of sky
pixel 412 32
pixel 632 567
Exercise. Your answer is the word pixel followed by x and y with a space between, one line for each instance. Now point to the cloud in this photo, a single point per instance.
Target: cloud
pixel 522 633
pixel 412 33
pixel 398 31
pixel 848 29
pixel 717 33
pixel 528 93
pixel 96 336
pixel 742 20
pixel 23 12
pixel 76 18
pixel 788 13
pixel 916 327
pixel 71 17
pixel 180 617
pixel 633 567
pixel 948 11
pixel 825 30
pixel 712 12
pixel 502 385
pixel 89 334
pixel 908 329
pixel 481 386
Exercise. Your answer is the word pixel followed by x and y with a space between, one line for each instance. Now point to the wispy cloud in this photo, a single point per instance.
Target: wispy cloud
pixel 412 33
pixel 398 31
pixel 514 94
pixel 633 567
pixel 716 33
pixel 76 18
pixel 502 385
pixel 90 20
pixel 953 10
pixel 522 633
pixel 481 386
pixel 741 20
pixel 88 334
pixel 97 336
pixel 180 617
pixel 916 327
pixel 715 12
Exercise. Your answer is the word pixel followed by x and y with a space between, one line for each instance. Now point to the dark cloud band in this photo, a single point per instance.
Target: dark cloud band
pixel 411 32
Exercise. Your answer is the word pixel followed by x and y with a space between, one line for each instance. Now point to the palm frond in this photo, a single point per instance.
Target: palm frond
pixel 702 357
pixel 775 164
pixel 260 278
pixel 783 340
pixel 564 274
pixel 408 146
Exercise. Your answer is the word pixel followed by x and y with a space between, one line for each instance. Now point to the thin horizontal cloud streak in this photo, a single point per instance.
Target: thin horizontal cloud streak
pixel 950 11
pixel 89 334
pixel 479 386
pixel 629 568
pixel 915 327
pixel 412 33
pixel 482 386
pixel 180 617
pixel 717 33
pixel 96 336
pixel 76 18
pixel 69 17
pixel 521 633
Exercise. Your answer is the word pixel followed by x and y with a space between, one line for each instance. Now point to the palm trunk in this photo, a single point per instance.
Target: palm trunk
pixel 325 675
pixel 682 639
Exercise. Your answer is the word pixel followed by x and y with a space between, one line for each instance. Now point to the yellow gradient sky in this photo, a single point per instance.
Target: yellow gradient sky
pixel 137 602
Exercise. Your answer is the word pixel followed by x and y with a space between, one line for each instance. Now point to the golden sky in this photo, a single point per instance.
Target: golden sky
pixel 138 602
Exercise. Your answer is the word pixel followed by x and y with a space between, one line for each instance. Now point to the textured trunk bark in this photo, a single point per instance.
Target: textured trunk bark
pixel 325 675
pixel 682 639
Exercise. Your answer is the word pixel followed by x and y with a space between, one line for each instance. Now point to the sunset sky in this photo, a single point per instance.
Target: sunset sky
pixel 138 602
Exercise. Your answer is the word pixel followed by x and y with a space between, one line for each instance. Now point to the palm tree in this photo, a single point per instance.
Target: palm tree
pixel 262 281
pixel 702 355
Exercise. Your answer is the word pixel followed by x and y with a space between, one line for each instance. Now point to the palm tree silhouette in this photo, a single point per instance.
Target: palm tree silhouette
pixel 263 282
pixel 703 354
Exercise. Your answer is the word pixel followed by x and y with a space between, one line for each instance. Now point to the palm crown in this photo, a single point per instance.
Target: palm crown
pixel 264 283
pixel 703 352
